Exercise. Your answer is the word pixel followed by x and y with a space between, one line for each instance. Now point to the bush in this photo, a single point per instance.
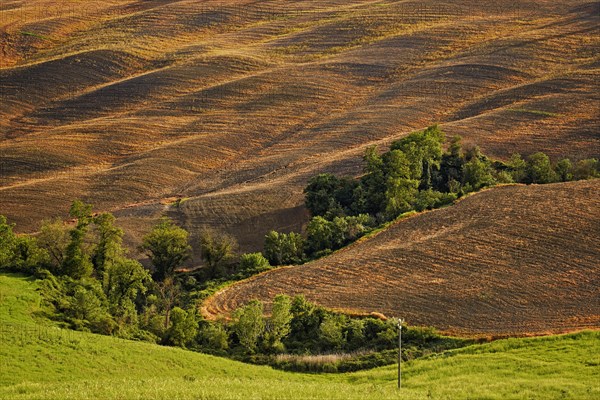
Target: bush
pixel 586 169
pixel 282 249
pixel 539 169
pixel 253 263
pixel 214 336
pixel 330 331
pixel 430 199
pixel 183 327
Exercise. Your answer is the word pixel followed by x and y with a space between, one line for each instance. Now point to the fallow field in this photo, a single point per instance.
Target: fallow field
pixel 513 260
pixel 233 105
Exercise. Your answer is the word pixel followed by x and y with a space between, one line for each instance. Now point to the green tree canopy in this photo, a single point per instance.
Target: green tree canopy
pixel 282 248
pixel 249 325
pixel 539 169
pixel 218 250
pixel 168 248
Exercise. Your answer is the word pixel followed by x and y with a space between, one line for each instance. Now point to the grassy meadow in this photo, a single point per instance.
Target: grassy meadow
pixel 40 361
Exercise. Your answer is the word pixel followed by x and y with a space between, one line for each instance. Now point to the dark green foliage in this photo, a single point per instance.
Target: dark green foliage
pixel 517 168
pixel 402 183
pixel 19 253
pixel 586 169
pixel 183 329
pixel 331 331
pixel 214 337
pixel 306 320
pixel 28 256
pixel 54 239
pixel 109 249
pixel 283 249
pixel 7 243
pixel 252 264
pixel 369 196
pixel 564 170
pixel 77 261
pixel 168 248
pixel 218 252
pixel 328 195
pixel 324 236
pixel 278 325
pixel 124 280
pixel 539 169
pixel 451 168
pixel 430 199
pixel 424 151
pixel 477 174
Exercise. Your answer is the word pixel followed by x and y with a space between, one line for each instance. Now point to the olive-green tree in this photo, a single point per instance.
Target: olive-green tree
pixel 168 248
pixel 278 324
pixel 249 325
pixel 218 250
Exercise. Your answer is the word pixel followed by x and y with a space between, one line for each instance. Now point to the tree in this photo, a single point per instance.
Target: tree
pixel 28 256
pixel 423 150
pixel 218 250
pixel 370 194
pixel 215 336
pixel 168 248
pixel 330 331
pixel 319 235
pixel 278 325
pixel 477 174
pixel 355 333
pixel 320 194
pixel 564 170
pixel 401 185
pixel 451 167
pixel 281 248
pixel 54 238
pixel 306 318
pixel 124 280
pixel 253 263
pixel 518 168
pixel 184 327
pixel 249 325
pixel 7 243
pixel 329 196
pixel 169 291
pixel 109 248
pixel 586 169
pixel 77 261
pixel 539 169
pixel 430 199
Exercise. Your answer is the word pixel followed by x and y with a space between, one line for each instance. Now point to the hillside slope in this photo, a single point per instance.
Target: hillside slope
pixel 233 105
pixel 510 260
pixel 39 362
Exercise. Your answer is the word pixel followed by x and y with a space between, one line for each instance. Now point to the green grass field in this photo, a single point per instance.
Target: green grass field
pixel 40 361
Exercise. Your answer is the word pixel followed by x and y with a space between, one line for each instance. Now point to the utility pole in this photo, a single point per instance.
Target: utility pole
pixel 400 322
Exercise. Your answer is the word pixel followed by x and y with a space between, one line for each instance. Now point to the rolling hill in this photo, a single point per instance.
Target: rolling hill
pixel 513 260
pixel 43 362
pixel 233 105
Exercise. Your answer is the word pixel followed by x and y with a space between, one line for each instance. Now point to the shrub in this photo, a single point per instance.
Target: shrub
pixel 281 248
pixel 430 199
pixel 539 169
pixel 586 169
pixel 330 331
pixel 249 325
pixel 253 263
pixel 183 327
